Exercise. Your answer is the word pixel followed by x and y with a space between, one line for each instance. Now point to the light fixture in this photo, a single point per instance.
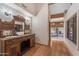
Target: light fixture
pixel 6 12
pixel 61 23
pixel 53 23
pixel 7 15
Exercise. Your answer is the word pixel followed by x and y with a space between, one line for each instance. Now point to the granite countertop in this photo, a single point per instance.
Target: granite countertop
pixel 11 37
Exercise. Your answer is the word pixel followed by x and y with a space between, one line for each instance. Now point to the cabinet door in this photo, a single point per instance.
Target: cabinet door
pixel 8 51
pixel 13 50
pixel 32 41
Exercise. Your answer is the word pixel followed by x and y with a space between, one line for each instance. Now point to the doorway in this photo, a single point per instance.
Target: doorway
pixel 57 31
pixel 56 26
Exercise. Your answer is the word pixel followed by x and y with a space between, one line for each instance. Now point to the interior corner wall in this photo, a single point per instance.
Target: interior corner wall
pixel 40 26
pixel 72 47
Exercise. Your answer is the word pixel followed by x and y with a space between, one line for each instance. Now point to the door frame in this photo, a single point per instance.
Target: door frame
pixel 49 17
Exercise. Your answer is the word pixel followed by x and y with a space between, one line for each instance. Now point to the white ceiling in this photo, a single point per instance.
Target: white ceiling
pixel 33 8
pixel 58 8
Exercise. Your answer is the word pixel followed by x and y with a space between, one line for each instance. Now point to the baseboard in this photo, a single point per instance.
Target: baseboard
pixel 41 44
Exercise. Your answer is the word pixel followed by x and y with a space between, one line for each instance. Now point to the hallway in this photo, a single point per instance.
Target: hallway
pixel 58 48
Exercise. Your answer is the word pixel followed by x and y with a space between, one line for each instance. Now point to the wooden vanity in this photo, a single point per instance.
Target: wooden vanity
pixel 14 40
pixel 17 45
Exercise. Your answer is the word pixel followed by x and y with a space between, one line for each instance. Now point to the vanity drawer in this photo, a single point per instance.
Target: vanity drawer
pixel 9 42
pixel 12 41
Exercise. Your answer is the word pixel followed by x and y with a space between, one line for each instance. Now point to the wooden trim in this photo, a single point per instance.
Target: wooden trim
pixel 49 35
pixel 57 15
pixel 49 40
pixel 53 16
pixel 49 30
pixel 51 3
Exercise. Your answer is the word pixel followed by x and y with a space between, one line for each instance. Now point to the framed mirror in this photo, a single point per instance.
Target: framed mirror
pixel 28 25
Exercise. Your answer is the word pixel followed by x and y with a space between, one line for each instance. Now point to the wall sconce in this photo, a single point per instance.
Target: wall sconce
pixel 6 12
pixel 6 15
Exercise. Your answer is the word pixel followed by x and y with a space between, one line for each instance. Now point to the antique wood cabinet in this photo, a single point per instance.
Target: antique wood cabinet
pixel 13 46
pixel 19 44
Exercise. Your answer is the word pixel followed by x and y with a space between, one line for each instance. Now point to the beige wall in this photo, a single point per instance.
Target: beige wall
pixel 72 47
pixel 40 26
